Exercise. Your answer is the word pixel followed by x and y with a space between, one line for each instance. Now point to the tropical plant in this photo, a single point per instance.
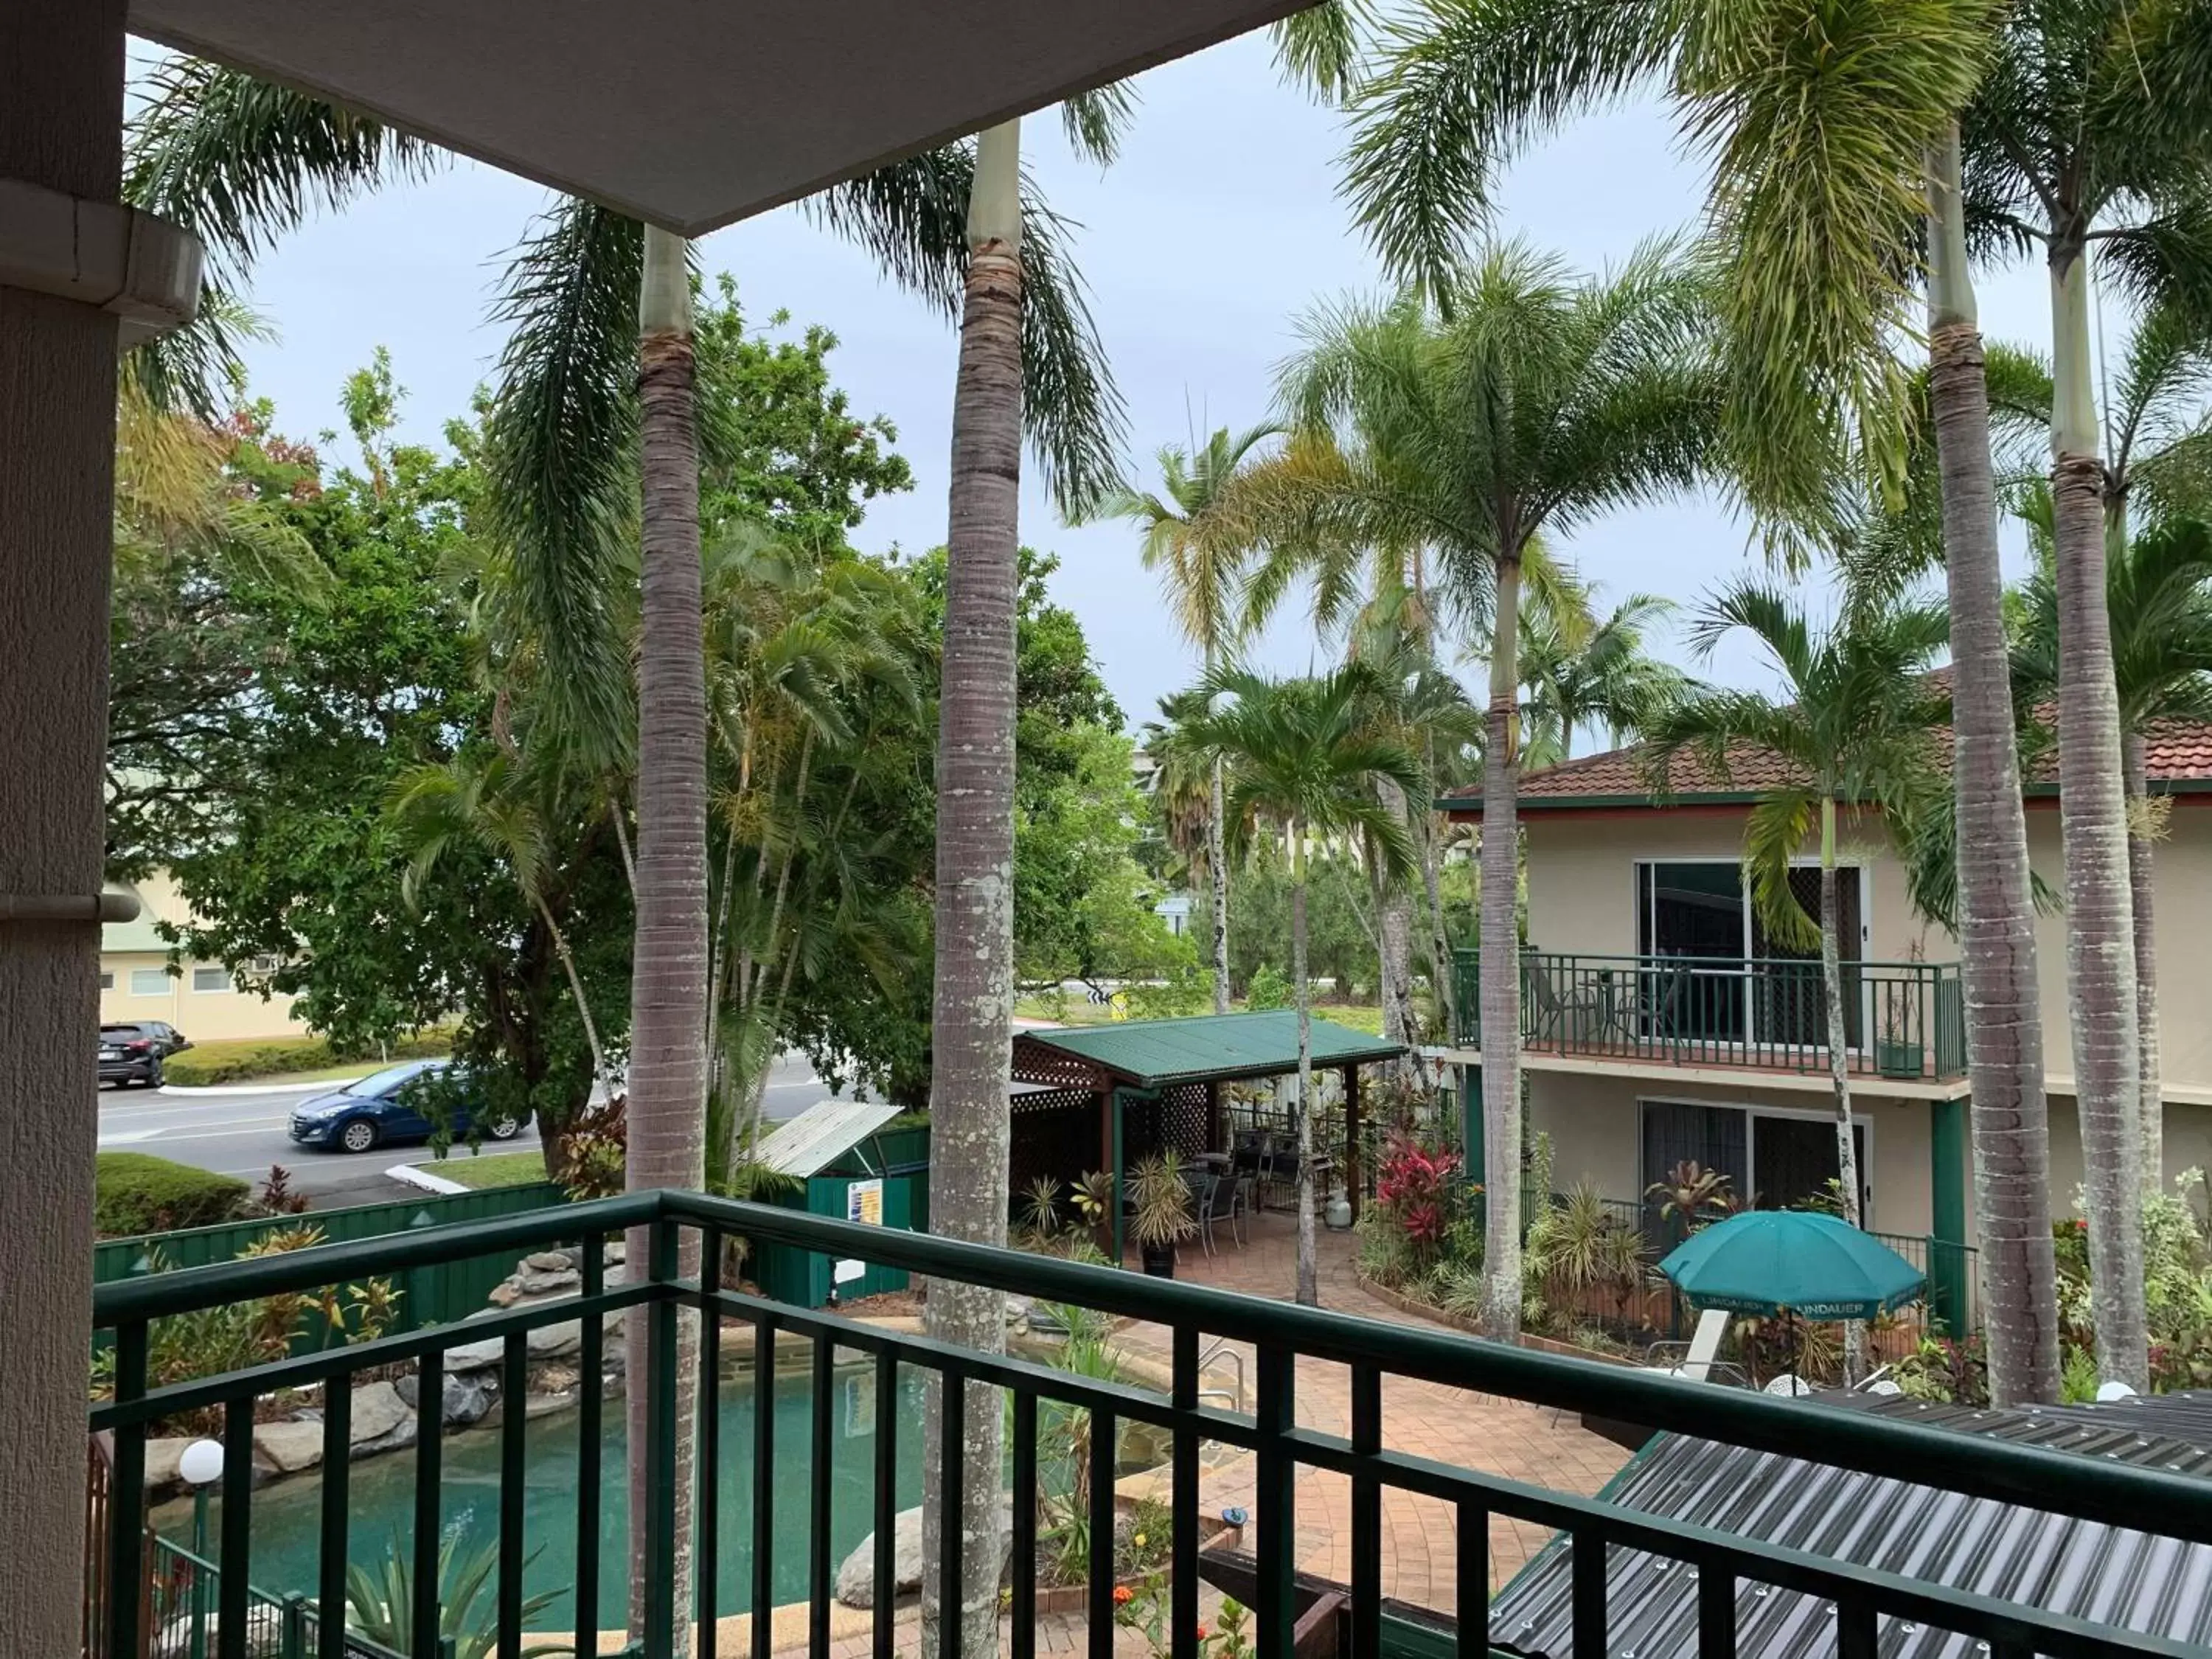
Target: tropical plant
pixel 1855 730
pixel 1202 562
pixel 1162 1211
pixel 1832 130
pixel 2076 136
pixel 380 1602
pixel 1516 402
pixel 1596 675
pixel 1416 1192
pixel 1693 1195
pixel 1303 756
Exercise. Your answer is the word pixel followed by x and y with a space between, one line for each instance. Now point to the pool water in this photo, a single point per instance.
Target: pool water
pixel 287 1515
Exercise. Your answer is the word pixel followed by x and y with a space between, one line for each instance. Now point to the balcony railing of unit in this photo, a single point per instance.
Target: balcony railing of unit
pixel 663 1227
pixel 1903 1020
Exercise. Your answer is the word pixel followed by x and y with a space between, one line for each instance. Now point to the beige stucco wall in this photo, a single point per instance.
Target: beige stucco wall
pixel 1581 897
pixel 1595 1127
pixel 202 1016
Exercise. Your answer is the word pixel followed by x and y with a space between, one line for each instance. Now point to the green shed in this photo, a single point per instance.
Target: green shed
pixel 855 1168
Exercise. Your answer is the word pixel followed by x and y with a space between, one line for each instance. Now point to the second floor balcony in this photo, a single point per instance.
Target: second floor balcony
pixel 1904 1021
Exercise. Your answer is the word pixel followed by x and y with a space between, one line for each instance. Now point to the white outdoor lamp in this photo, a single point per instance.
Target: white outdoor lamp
pixel 201 1466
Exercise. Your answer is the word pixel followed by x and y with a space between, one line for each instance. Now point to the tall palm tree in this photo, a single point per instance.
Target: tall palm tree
pixel 1856 728
pixel 2159 597
pixel 1522 402
pixel 1831 129
pixel 2088 127
pixel 1202 567
pixel 1598 675
pixel 1305 755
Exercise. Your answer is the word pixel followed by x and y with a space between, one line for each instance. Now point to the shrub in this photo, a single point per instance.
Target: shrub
pixel 245 1059
pixel 137 1192
pixel 1270 988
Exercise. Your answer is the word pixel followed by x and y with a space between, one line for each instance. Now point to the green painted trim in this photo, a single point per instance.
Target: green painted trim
pixel 1947 1209
pixel 1470 1108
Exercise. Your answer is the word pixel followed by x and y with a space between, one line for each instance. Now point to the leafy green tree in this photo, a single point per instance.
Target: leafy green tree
pixel 1202 561
pixel 1518 402
pixel 1303 756
pixel 1856 727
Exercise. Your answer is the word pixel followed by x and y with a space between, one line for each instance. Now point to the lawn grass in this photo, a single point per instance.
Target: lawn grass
pixel 490 1168
pixel 288 1059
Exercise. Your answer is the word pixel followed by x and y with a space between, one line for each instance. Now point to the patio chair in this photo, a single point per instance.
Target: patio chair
pixel 1697 1360
pixel 1552 1017
pixel 1223 1198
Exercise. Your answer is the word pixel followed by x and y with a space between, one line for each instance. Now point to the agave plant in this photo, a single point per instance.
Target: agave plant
pixel 380 1602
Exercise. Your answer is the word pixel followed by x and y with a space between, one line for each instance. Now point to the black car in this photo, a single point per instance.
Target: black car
pixel 132 1051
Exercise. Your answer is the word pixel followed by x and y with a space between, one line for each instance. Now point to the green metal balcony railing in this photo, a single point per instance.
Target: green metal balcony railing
pixel 1730 1570
pixel 1902 1019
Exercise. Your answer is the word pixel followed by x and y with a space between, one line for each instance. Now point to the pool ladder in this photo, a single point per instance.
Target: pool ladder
pixel 1222 1350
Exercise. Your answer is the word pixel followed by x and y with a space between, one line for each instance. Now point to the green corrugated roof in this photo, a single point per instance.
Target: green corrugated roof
pixel 1212 1048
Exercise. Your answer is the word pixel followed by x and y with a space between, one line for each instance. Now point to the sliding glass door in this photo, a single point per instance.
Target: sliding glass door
pixel 1696 918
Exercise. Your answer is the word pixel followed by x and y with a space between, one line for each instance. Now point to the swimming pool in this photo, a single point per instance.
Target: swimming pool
pixel 381 1491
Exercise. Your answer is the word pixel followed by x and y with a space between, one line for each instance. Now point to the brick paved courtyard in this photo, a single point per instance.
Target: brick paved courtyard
pixel 1419 1535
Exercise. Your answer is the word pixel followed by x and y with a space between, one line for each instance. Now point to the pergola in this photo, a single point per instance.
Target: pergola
pixel 687 113
pixel 1173 1070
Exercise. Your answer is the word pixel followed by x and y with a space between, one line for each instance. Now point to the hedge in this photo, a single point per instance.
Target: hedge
pixel 238 1060
pixel 138 1192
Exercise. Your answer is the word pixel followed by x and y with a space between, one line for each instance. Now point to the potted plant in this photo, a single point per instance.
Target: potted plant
pixel 1899 1049
pixel 1162 1212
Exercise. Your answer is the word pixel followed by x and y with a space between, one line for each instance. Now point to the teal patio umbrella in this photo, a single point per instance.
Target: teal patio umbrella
pixel 1792 1263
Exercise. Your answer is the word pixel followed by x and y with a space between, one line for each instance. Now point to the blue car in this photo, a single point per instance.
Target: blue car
pixel 383 1106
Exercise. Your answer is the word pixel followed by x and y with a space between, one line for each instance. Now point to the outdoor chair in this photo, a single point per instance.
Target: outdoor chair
pixel 1696 1360
pixel 1552 1017
pixel 1223 1198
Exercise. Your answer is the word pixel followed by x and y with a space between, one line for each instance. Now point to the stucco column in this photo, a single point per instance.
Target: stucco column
pixel 61 122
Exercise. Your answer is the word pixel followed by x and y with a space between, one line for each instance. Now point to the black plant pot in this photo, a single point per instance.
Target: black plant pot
pixel 1158 1259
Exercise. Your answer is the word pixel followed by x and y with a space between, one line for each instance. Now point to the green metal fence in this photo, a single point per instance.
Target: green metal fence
pixel 687 1229
pixel 1902 1019
pixel 183 1593
pixel 432 1296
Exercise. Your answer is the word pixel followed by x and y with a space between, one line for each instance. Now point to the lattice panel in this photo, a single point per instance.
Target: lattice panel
pixel 1055 1134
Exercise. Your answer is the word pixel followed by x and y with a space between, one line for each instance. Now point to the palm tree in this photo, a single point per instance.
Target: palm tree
pixel 1202 567
pixel 1305 756
pixel 1520 403
pixel 2077 134
pixel 2159 597
pixel 1832 130
pixel 1855 729
pixel 1597 675
pixel 490 802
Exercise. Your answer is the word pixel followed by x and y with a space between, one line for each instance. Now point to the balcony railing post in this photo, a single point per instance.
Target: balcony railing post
pixel 1275 1417
pixel 660 1446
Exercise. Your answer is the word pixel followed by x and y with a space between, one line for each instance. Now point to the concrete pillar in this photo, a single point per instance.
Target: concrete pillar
pixel 61 124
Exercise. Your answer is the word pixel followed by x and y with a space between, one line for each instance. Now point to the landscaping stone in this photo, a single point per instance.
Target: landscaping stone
pixel 382 1420
pixel 565 1281
pixel 162 1457
pixel 468 1396
pixel 475 1356
pixel 551 1261
pixel 556 1341
pixel 286 1448
pixel 856 1579
pixel 265 1637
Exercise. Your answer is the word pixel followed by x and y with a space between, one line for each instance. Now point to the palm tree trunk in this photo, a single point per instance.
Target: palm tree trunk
pixel 575 988
pixel 2142 876
pixel 1443 988
pixel 718 961
pixel 2092 815
pixel 1501 970
pixel 1839 1077
pixel 972 1018
pixel 1394 926
pixel 668 993
pixel 1217 865
pixel 1302 989
pixel 1996 920
pixel 620 814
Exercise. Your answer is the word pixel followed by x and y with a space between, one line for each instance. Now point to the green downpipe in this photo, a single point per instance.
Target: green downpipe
pixel 1948 1289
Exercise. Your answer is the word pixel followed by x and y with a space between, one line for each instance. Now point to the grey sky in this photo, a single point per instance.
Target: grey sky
pixel 1219 227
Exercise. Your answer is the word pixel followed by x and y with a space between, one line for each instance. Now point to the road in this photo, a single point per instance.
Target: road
pixel 242 1134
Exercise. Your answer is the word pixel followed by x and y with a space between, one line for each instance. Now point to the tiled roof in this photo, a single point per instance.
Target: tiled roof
pixel 2180 752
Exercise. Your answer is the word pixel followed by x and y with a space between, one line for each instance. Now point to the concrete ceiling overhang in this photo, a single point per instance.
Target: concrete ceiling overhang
pixel 693 113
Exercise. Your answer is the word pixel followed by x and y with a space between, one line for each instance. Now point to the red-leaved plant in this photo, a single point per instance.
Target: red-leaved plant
pixel 1414 1189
